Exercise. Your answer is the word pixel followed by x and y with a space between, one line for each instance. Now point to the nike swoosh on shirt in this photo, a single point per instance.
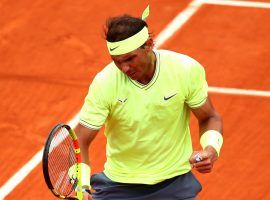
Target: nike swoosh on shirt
pixel 167 98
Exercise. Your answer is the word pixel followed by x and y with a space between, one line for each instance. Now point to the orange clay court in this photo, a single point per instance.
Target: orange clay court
pixel 51 50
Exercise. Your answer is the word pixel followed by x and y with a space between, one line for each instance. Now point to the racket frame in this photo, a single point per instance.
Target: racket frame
pixel 78 162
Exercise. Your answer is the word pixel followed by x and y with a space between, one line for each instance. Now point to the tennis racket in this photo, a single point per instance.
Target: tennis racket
pixel 61 155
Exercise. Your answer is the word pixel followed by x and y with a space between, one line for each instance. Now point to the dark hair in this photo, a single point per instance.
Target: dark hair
pixel 123 27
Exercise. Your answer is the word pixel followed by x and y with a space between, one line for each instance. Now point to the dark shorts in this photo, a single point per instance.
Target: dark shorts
pixel 183 187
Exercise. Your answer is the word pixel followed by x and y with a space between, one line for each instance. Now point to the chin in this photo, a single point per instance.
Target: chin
pixel 134 76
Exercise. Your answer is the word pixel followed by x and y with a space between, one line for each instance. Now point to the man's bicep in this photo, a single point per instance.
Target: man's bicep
pixel 208 117
pixel 85 134
pixel 205 111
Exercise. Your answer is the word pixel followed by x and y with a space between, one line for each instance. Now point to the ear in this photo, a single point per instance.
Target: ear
pixel 149 44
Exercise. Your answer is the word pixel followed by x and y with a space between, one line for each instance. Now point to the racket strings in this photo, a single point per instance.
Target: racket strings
pixel 61 158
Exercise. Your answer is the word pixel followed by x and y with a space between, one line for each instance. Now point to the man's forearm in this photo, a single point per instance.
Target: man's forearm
pixel 85 137
pixel 212 123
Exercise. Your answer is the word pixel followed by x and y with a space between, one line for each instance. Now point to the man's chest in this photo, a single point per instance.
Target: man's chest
pixel 156 103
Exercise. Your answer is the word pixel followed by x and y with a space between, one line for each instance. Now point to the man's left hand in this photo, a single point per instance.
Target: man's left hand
pixel 203 161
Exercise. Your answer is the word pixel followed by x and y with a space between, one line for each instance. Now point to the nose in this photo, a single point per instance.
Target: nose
pixel 125 68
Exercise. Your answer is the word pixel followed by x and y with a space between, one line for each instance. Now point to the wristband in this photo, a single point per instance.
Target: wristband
pixel 212 138
pixel 85 174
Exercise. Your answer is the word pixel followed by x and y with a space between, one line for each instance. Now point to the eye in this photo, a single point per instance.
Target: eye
pixel 130 59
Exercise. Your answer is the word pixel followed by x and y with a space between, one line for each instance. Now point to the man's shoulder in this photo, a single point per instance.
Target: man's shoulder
pixel 108 74
pixel 174 56
pixel 109 78
pixel 108 71
pixel 177 61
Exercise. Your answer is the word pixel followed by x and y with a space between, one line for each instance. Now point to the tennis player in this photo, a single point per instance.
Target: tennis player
pixel 144 98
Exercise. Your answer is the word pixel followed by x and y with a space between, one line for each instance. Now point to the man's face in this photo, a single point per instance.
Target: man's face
pixel 134 64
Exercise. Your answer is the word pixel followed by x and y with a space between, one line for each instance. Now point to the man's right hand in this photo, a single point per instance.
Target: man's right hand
pixel 87 196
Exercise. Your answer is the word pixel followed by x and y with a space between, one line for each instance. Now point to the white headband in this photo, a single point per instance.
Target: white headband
pixel 131 43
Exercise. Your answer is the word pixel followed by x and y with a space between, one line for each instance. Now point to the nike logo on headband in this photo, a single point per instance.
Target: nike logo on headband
pixel 111 49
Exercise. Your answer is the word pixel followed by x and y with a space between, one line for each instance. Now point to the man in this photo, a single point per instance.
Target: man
pixel 144 98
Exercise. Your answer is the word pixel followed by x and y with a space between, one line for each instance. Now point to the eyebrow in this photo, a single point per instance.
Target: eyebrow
pixel 125 59
pixel 129 58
